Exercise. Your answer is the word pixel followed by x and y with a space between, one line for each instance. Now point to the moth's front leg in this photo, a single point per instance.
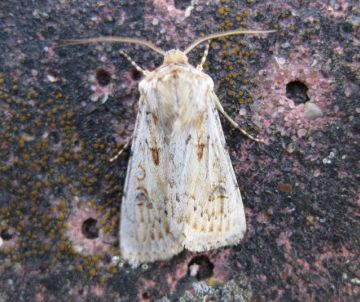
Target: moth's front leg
pixel 203 59
pixel 133 63
pixel 127 144
pixel 232 122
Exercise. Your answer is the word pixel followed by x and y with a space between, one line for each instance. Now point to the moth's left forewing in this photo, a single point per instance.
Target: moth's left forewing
pixel 145 234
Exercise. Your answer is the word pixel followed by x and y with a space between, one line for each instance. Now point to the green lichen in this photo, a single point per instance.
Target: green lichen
pixel 234 53
pixel 38 171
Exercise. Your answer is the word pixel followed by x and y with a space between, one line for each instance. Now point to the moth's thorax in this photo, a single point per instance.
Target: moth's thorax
pixel 177 95
pixel 175 56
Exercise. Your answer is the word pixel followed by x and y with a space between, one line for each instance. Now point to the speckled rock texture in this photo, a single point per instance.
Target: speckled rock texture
pixel 65 111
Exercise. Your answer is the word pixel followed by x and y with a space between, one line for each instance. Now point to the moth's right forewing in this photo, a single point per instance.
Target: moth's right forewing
pixel 207 198
pixel 145 233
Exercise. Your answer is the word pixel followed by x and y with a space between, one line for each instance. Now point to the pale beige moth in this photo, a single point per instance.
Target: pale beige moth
pixel 180 189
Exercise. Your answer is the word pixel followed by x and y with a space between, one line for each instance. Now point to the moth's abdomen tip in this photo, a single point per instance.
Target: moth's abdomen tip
pixel 150 251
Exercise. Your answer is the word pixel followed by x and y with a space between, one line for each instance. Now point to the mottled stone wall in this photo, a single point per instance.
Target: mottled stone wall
pixel 65 111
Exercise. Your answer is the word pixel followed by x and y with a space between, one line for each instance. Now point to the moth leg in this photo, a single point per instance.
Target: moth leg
pixel 203 59
pixel 233 123
pixel 127 144
pixel 133 63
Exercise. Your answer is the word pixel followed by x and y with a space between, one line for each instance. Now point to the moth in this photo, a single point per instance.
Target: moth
pixel 180 190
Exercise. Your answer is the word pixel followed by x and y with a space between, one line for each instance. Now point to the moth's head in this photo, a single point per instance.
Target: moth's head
pixel 175 56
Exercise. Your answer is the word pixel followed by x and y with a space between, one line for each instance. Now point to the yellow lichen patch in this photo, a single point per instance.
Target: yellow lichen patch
pixel 223 11
pixel 92 272
pixel 310 220
pixel 112 269
pixel 234 53
pixel 213 282
pixel 42 148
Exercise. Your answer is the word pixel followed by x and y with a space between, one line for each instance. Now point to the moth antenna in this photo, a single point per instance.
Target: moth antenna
pixel 113 40
pixel 225 34
pixel 206 52
pixel 133 63
pixel 233 123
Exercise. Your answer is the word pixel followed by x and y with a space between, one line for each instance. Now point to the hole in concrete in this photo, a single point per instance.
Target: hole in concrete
pixel 182 4
pixel 103 77
pixel 145 296
pixel 89 228
pixel 200 267
pixel 51 29
pixel 54 137
pixel 135 74
pixel 346 29
pixel 7 234
pixel 297 91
